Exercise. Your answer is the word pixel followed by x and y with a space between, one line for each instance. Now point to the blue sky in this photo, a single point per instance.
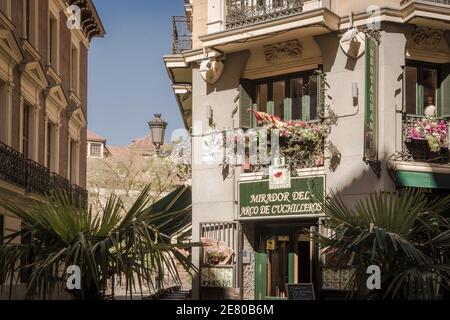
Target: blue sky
pixel 128 81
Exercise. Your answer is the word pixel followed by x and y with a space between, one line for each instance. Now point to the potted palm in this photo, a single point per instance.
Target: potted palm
pixel 404 233
pixel 136 243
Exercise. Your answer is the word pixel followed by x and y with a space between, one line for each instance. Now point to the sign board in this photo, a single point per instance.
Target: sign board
pixel 279 178
pixel 304 197
pixel 371 103
pixel 216 277
pixel 300 291
pixel 270 245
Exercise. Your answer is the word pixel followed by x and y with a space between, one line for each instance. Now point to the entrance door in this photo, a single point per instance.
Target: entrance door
pixel 284 257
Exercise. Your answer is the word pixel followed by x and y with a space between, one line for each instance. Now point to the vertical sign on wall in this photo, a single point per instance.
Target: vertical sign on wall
pixel 371 105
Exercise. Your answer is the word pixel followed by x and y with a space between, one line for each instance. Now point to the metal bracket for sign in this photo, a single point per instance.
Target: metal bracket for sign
pixel 375 165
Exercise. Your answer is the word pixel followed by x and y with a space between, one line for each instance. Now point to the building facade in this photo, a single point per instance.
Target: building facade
pixel 366 73
pixel 43 98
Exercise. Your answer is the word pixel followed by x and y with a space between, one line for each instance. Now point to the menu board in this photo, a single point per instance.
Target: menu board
pixel 301 291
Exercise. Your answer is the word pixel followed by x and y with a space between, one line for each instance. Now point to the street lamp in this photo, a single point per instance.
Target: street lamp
pixel 157 130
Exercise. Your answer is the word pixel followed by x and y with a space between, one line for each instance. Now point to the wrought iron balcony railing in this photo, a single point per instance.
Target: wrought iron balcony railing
pixel 433 1
pixel 12 165
pixel 34 177
pixel 248 12
pixel 417 148
pixel 182 34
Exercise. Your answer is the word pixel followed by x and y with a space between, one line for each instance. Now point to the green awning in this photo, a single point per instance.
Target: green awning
pixel 173 213
pixel 423 179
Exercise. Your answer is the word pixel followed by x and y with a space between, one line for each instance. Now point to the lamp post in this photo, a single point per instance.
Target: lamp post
pixel 157 130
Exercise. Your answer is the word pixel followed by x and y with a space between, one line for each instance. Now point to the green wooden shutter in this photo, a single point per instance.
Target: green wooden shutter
pixel 260 275
pixel 287 109
pixel 445 92
pixel 245 103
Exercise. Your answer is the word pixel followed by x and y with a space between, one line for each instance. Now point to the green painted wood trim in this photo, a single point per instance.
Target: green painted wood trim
pixel 423 180
pixel 291 267
pixel 306 105
pixel 260 275
pixel 270 107
pixel 420 100
pixel 287 109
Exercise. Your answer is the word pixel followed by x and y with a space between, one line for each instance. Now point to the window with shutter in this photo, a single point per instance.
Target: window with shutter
pixel 289 97
pixel 423 88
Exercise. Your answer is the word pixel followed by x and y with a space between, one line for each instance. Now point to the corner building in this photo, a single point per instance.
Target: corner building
pixel 381 81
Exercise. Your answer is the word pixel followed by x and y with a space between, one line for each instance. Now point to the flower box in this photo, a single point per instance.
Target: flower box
pixel 427 140
pixel 420 151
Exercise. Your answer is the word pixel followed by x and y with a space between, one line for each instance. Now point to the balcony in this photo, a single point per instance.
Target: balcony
pixel 240 13
pixel 417 148
pixel 33 177
pixel 182 34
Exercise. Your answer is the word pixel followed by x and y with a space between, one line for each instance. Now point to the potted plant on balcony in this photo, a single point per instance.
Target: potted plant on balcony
pixel 215 255
pixel 427 139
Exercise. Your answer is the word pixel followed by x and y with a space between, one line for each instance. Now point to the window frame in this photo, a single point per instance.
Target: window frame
pixel 75 66
pixel 30 23
pixel 95 144
pixel 287 78
pixel 420 92
pixel 53 46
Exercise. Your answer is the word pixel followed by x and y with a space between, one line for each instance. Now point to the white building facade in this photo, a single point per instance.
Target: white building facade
pixel 360 75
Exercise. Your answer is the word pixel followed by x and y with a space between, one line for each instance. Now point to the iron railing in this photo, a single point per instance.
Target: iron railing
pixel 34 177
pixel 248 12
pixel 12 165
pixel 182 34
pixel 433 1
pixel 418 150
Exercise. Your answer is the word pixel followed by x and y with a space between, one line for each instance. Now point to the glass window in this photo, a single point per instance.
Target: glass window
pixel 279 94
pixel 26 131
pixel 96 150
pixel 430 80
pixel 49 145
pixel 297 98
pixel 53 42
pixel 293 97
pixel 421 89
pixel 261 97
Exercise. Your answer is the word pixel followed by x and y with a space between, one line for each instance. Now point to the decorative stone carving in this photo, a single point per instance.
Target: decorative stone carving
pixel 374 33
pixel 291 49
pixel 424 36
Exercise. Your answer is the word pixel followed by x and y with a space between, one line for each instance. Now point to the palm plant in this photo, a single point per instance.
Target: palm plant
pixel 136 244
pixel 404 233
